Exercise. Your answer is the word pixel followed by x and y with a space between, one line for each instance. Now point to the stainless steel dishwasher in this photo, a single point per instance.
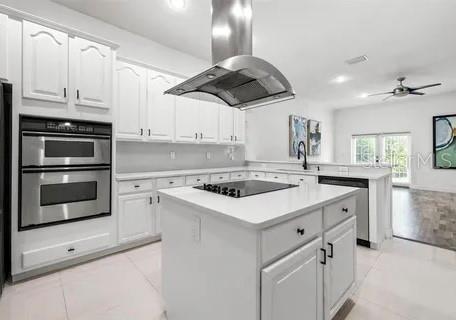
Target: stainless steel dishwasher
pixel 362 203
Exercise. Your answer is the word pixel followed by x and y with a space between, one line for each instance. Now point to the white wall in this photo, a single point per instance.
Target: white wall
pixel 411 114
pixel 267 136
pixel 131 45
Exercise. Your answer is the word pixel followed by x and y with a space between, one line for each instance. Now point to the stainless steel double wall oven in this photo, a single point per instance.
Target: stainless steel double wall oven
pixel 65 171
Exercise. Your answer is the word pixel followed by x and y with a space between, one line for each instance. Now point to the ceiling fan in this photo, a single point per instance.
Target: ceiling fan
pixel 402 91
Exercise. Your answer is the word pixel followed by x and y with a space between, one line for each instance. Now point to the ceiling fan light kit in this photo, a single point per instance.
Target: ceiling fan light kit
pixel 402 91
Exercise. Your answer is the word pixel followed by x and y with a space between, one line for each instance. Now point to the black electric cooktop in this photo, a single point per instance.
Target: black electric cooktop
pixel 244 188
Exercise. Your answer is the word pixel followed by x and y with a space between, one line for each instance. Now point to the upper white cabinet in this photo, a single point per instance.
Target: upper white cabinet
pixel 292 288
pixel 45 63
pixel 340 271
pixel 131 100
pixel 226 125
pixel 91 64
pixel 160 107
pixel 239 126
pixel 208 122
pixel 187 119
pixel 3 46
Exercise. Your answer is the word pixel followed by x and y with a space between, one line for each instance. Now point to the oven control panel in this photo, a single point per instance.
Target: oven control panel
pixel 68 127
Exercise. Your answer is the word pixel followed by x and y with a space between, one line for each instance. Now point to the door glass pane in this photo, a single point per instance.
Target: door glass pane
pixel 59 193
pixel 364 149
pixel 396 153
pixel 62 149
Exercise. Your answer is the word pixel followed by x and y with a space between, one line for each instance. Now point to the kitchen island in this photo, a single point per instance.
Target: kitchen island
pixel 288 254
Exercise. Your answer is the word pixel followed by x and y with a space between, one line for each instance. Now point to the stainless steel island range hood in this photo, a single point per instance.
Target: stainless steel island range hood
pixel 236 77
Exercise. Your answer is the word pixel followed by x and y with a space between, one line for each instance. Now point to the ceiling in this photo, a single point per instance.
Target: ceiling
pixel 309 40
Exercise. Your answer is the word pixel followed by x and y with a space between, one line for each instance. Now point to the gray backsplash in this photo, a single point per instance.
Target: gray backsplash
pixel 144 157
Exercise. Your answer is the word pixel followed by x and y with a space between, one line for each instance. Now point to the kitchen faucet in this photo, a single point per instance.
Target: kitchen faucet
pixel 304 153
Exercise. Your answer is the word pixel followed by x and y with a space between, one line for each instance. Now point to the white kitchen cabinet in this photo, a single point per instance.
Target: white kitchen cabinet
pixel 226 125
pixel 136 217
pixel 340 270
pixel 302 179
pixel 239 126
pixel 45 63
pixel 91 64
pixel 278 177
pixel 187 119
pixel 208 122
pixel 292 288
pixel 3 46
pixel 131 100
pixel 160 107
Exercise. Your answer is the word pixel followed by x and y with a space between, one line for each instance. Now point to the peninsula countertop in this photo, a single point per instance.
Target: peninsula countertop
pixel 262 210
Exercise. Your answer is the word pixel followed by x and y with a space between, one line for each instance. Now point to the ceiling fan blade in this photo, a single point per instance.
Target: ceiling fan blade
pixel 379 94
pixel 388 97
pixel 417 93
pixel 427 86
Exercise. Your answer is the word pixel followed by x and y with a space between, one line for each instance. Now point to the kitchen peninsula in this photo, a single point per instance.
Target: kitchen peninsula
pixel 246 258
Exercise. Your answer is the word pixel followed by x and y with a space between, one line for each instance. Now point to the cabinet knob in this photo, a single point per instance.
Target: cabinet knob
pixel 345 210
pixel 301 231
pixel 171 182
pixel 137 186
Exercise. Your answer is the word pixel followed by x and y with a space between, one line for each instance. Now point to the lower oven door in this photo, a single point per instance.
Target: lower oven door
pixel 51 196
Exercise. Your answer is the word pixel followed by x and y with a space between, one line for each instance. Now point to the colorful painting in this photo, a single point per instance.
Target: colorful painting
pixel 445 142
pixel 298 133
pixel 314 144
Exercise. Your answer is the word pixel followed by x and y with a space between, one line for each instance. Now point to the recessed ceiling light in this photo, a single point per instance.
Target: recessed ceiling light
pixel 363 95
pixel 340 79
pixel 177 4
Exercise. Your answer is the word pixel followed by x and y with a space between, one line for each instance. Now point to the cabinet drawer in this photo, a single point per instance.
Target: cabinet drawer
pixel 65 250
pixel 192 180
pixel 300 179
pixel 238 175
pixel 135 186
pixel 290 234
pixel 220 177
pixel 280 177
pixel 257 175
pixel 171 182
pixel 339 211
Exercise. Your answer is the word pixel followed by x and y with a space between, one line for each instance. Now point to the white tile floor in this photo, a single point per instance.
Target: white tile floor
pixel 404 281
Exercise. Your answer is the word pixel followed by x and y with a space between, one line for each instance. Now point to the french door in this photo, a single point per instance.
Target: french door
pixel 392 148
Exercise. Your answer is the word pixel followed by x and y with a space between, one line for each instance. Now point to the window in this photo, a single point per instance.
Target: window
pixel 392 149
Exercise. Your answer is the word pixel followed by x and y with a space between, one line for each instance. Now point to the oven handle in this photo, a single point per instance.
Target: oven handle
pixel 65 169
pixel 68 135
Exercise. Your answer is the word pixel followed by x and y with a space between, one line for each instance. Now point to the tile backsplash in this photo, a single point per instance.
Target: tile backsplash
pixel 144 157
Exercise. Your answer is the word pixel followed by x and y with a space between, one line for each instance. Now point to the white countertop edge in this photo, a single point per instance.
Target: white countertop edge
pixel 322 163
pixel 262 225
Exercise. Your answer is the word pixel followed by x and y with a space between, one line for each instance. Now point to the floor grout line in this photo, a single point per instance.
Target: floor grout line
pixel 144 276
pixel 64 296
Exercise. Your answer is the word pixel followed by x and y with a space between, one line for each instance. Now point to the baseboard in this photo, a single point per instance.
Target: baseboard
pixel 82 259
pixel 426 188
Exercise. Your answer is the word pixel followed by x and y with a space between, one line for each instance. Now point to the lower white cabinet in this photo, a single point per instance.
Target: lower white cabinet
pixel 278 177
pixel 292 288
pixel 340 269
pixel 136 216
pixel 302 179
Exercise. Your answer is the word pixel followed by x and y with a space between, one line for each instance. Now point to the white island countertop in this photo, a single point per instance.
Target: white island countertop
pixel 262 210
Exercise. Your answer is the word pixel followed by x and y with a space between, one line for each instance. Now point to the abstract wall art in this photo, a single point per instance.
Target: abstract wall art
pixel 445 142
pixel 314 137
pixel 298 132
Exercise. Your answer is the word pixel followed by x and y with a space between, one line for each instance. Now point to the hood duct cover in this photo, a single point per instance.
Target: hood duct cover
pixel 238 78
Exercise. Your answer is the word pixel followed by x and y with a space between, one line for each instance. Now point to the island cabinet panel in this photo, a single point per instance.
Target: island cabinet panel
pixel 45 63
pixel 286 236
pixel 161 108
pixel 136 217
pixel 131 99
pixel 292 288
pixel 91 65
pixel 340 271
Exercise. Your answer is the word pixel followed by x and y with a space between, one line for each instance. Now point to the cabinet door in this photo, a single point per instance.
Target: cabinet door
pixel 226 125
pixel 239 126
pixel 340 271
pixel 292 288
pixel 91 64
pixel 45 63
pixel 187 111
pixel 136 217
pixel 130 100
pixel 161 108
pixel 208 122
pixel 3 46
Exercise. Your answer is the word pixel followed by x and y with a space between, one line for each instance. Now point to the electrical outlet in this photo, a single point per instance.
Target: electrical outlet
pixel 196 228
pixel 172 155
pixel 208 155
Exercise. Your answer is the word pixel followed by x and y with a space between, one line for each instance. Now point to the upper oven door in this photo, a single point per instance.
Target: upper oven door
pixel 47 149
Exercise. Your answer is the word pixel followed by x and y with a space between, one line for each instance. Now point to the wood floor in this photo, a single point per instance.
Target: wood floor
pixel 425 216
